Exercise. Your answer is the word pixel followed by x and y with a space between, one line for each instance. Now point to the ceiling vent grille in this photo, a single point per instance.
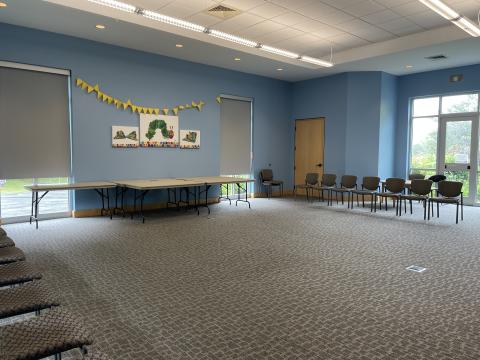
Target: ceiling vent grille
pixel 436 57
pixel 222 12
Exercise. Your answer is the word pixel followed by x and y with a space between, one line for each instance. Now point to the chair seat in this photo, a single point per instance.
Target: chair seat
pixel 5 241
pixel 17 273
pixel 364 192
pixel 414 197
pixel 27 298
pixel 387 194
pixel 445 200
pixel 325 187
pixel 45 335
pixel 272 182
pixel 343 190
pixel 305 186
pixel 11 254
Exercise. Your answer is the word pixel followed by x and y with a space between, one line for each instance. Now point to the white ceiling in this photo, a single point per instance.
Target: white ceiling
pixel 364 34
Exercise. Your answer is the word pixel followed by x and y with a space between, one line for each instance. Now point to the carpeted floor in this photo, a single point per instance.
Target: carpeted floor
pixel 284 280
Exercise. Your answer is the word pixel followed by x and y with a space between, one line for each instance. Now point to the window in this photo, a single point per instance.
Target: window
pixel 34 139
pixel 460 103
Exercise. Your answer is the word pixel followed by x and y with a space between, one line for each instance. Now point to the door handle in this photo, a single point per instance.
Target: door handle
pixel 319 165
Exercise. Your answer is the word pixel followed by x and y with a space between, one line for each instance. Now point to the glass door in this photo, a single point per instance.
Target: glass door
pixel 457 152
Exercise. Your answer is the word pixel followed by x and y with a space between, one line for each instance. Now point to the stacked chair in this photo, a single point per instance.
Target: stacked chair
pixel 52 331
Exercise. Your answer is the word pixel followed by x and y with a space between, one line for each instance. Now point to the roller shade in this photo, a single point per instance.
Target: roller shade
pixel 34 124
pixel 235 141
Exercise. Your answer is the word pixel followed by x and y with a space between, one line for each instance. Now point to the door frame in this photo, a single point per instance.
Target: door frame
pixel 474 146
pixel 324 118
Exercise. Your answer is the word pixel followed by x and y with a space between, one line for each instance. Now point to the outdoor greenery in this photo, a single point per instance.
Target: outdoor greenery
pixel 17 185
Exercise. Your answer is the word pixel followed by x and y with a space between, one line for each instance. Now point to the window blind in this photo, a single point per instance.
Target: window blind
pixel 235 141
pixel 34 124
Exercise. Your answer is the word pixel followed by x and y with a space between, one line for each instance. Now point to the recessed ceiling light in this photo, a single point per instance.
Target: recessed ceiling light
pixel 179 45
pixel 279 69
pixel 3 5
pixel 100 26
pixel 408 66
pixel 237 59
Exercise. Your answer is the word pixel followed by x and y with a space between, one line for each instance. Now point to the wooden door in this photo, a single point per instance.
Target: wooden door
pixel 309 149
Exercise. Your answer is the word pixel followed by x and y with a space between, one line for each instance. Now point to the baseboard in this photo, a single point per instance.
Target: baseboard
pixel 286 193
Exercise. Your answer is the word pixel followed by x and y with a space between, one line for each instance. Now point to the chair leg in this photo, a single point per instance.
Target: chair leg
pixel 428 204
pixel 457 214
pixel 411 210
pixel 374 202
pixel 461 204
pixel 438 209
pixel 424 209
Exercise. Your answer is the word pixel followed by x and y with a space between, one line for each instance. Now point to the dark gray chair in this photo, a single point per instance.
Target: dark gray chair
pixel 370 187
pixel 268 182
pixel 449 192
pixel 11 254
pixel 394 188
pixel 329 181
pixel 18 273
pixel 416 177
pixel 311 180
pixel 48 334
pixel 419 190
pixel 348 183
pixel 31 297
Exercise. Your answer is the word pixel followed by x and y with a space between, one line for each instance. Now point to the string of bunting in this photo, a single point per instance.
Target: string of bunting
pixel 126 105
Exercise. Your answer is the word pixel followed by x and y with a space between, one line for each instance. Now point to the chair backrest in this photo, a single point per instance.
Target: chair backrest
pixel 266 174
pixel 311 179
pixel 395 185
pixel 348 181
pixel 329 179
pixel 450 189
pixel 437 178
pixel 370 182
pixel 416 177
pixel 421 186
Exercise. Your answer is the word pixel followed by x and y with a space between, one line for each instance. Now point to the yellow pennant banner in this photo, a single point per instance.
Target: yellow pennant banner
pixel 128 105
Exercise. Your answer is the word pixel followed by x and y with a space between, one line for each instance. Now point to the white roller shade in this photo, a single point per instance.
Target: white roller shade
pixel 235 132
pixel 34 124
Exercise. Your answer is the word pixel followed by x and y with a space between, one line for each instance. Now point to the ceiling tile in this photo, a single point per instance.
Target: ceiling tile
pixel 179 10
pixel 204 19
pixel 260 29
pixel 348 40
pixel 334 17
pixel 150 4
pixel 397 24
pixel 289 18
pixel 239 22
pixel 280 35
pixel 316 9
pixel 381 17
pixel 341 4
pixel 364 8
pixel 407 30
pixel 292 4
pixel 428 19
pixel 243 4
pixel 199 5
pixel 268 10
pixel 410 8
pixel 392 3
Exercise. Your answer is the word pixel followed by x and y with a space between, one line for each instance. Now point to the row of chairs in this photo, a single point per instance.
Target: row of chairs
pixel 397 189
pixel 52 331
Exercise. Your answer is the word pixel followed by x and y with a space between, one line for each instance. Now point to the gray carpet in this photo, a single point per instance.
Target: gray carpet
pixel 284 280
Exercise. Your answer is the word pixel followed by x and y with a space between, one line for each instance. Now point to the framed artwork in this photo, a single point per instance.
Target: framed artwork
pixel 125 136
pixel 159 130
pixel 190 139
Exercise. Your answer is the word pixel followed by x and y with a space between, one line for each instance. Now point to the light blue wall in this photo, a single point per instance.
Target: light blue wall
pixel 362 131
pixel 388 112
pixel 424 84
pixel 153 81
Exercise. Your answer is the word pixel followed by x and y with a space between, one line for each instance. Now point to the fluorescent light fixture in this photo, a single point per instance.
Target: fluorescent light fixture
pixel 232 38
pixel 116 5
pixel 467 25
pixel 316 61
pixel 441 9
pixel 448 13
pixel 280 52
pixel 172 21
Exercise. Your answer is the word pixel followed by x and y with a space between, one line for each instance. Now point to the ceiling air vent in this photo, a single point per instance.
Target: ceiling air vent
pixel 222 12
pixel 436 57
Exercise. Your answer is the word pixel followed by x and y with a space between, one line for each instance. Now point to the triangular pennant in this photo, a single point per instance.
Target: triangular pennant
pixel 156 111
pixel 219 99
pixel 200 105
pixel 127 104
pixel 99 94
pixel 188 106
pixel 104 97
pixel 150 110
pixel 79 82
pixel 175 110
pixel 194 104
pixel 96 88
pixel 134 108
pixel 110 100
pixel 84 85
pixel 89 88
pixel 181 107
pixel 165 111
